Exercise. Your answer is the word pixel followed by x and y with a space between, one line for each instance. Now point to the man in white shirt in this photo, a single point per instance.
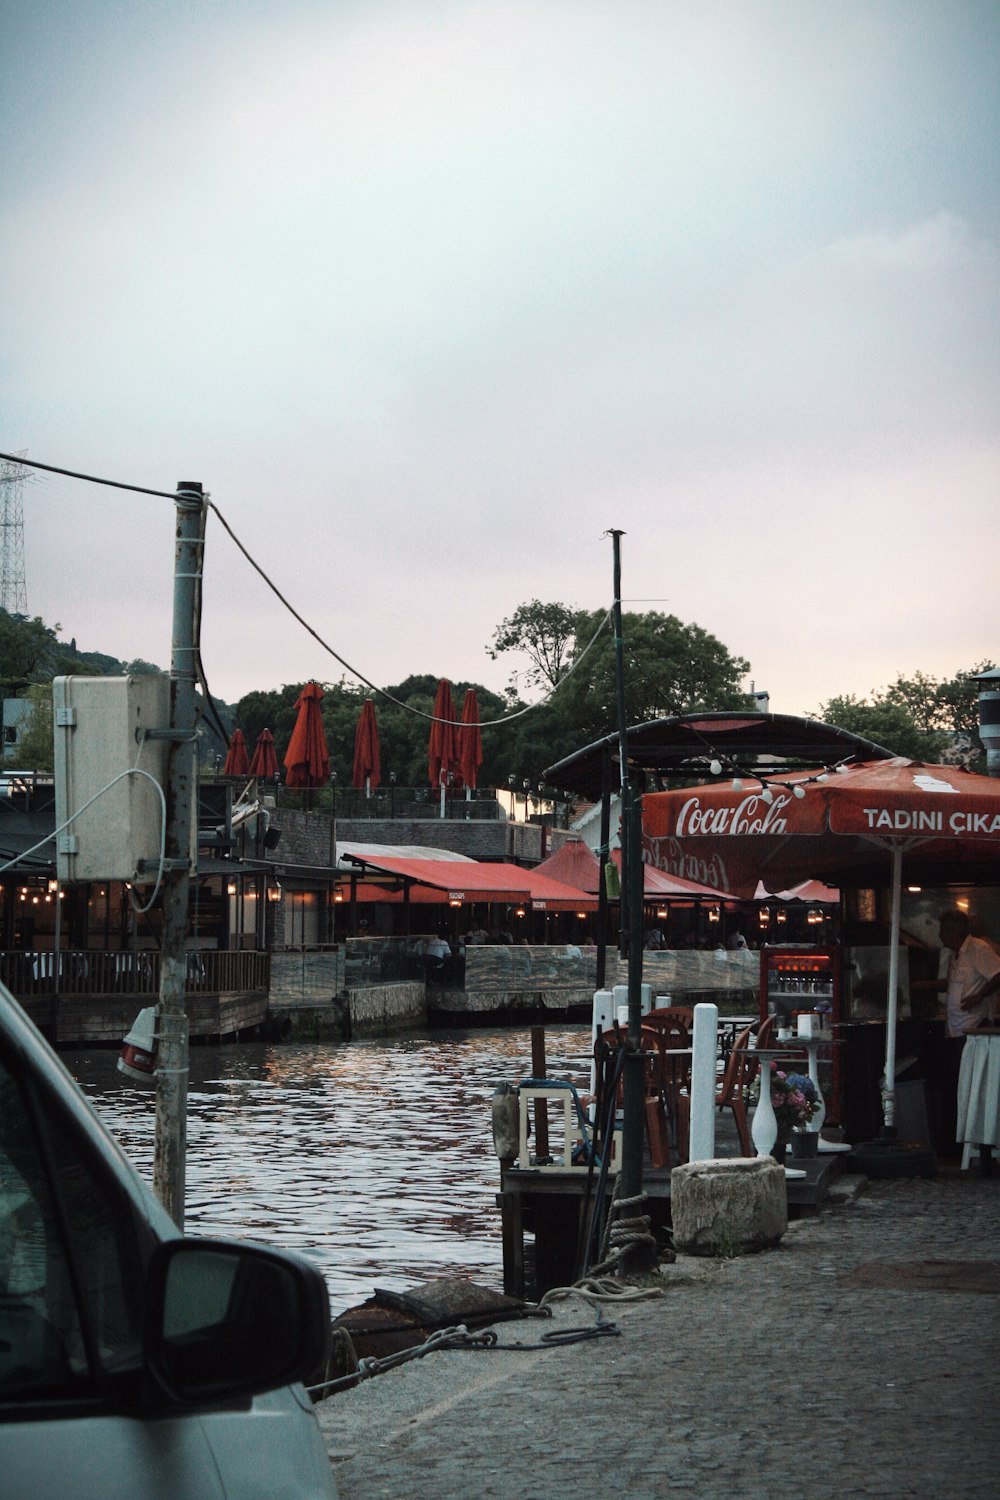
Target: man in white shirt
pixel 970 985
pixel 973 976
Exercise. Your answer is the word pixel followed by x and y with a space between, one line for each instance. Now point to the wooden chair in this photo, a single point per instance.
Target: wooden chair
pixel 732 1093
pixel 657 1126
pixel 765 1032
pixel 672 1028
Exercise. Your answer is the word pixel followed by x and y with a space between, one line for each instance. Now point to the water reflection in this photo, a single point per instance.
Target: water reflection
pixel 376 1158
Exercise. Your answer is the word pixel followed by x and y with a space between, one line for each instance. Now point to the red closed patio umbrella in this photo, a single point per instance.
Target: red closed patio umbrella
pixel 470 740
pixel 367 751
pixel 442 748
pixel 264 764
pixel 307 759
pixel 237 762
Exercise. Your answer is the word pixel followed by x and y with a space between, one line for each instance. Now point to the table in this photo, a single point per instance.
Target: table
pixel 978 1121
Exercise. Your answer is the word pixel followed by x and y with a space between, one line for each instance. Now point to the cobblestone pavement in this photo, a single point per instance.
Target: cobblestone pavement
pixel 749 1378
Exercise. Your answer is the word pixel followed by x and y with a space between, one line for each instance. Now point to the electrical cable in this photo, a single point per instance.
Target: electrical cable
pixel 407 707
pixel 131 771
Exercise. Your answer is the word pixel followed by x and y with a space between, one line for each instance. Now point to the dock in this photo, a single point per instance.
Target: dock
pixel 544 1209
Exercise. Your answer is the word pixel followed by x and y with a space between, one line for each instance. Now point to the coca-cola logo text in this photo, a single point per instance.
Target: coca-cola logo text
pixel 751 815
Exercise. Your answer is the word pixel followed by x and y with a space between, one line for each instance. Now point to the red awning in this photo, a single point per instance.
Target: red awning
pixel 471 881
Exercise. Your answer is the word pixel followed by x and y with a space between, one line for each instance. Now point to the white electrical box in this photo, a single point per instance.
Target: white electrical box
pixel 100 725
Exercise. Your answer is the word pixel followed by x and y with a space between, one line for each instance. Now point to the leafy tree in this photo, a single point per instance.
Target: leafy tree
pixel 35 751
pixel 889 724
pixel 669 668
pixel 545 633
pixel 25 647
pixel 918 717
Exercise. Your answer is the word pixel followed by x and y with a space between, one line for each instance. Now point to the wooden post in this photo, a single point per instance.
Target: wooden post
pixel 541 1107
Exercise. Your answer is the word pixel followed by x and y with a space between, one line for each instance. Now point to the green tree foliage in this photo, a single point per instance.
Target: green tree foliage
pixel 889 724
pixel 670 668
pixel 26 647
pixel 545 633
pixel 35 751
pixel 919 717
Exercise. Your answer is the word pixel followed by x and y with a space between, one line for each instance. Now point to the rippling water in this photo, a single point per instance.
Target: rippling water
pixel 374 1157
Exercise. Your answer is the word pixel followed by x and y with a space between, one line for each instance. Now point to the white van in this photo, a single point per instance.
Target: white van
pixel 137 1363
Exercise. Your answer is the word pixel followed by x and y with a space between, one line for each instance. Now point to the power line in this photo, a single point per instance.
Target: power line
pixel 407 707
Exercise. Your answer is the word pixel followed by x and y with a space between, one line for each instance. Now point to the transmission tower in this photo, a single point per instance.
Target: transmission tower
pixel 13 591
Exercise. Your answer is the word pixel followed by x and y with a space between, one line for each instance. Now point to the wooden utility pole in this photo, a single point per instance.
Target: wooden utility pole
pixel 170 1150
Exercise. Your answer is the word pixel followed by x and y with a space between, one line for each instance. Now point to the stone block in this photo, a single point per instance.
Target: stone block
pixel 728 1207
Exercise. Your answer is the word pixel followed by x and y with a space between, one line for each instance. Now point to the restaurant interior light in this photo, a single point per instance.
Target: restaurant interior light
pixel 338 894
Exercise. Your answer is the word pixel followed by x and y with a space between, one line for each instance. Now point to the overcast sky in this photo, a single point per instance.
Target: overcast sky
pixel 430 295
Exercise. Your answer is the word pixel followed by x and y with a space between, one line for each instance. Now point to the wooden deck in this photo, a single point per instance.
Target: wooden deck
pixel 552 1204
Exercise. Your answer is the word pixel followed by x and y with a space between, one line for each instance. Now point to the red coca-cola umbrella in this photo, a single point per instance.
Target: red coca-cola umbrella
pixel 307 759
pixel 237 762
pixel 367 752
pixel 264 764
pixel 840 825
pixel 470 740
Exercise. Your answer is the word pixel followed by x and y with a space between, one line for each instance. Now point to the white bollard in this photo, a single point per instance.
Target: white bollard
pixel 604 1009
pixel 704 1051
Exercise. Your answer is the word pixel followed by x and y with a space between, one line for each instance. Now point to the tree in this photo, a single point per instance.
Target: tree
pixel 545 633
pixel 25 646
pixel 889 724
pixel 669 668
pixel 919 717
pixel 35 752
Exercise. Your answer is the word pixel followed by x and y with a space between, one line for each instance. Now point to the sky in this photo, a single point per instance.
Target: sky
pixel 429 296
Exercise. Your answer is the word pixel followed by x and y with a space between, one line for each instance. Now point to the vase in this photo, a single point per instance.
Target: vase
pixel 781 1145
pixel 805 1143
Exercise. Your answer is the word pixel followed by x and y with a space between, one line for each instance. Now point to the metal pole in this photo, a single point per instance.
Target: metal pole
pixel 631 914
pixel 604 854
pixel 634 1080
pixel 172 1023
pixel 623 904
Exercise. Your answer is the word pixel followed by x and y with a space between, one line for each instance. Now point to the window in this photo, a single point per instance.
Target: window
pixel 68 1315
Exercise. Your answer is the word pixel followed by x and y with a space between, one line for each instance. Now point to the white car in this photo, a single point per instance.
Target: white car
pixel 134 1361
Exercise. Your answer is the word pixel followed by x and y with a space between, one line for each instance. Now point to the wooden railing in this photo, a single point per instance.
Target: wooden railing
pixel 91 972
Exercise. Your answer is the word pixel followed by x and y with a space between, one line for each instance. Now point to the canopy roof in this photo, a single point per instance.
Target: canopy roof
pixel 686 744
pixel 945 821
pixel 468 881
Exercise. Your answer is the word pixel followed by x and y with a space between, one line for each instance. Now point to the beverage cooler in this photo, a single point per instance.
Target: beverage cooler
pixel 806 982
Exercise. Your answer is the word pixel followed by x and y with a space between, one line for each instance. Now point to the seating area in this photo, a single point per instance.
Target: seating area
pixel 666 1045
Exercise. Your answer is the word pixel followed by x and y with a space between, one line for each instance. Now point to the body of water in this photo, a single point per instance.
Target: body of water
pixel 375 1158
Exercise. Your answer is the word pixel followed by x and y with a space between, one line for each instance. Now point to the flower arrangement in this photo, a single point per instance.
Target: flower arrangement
pixel 794 1098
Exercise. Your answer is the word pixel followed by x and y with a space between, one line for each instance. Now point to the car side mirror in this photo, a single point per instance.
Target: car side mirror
pixel 227 1319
